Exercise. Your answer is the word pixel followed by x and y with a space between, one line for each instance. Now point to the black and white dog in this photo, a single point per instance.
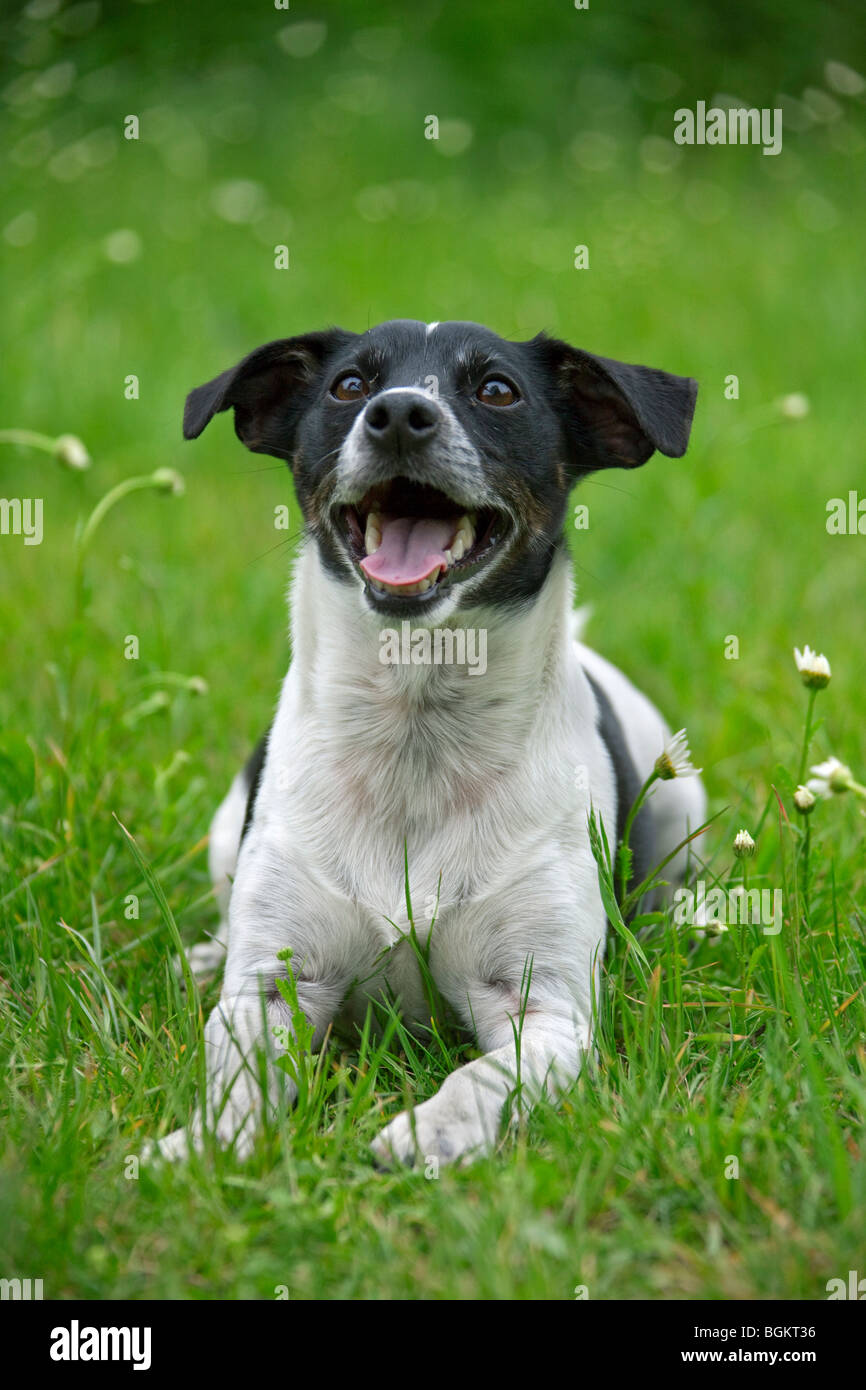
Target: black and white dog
pixel 433 465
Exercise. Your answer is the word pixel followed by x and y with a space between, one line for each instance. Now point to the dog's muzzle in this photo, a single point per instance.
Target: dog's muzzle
pixel 412 508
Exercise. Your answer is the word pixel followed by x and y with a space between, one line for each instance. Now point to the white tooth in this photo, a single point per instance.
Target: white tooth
pixel 373 533
pixel 420 588
pixel 448 556
pixel 464 539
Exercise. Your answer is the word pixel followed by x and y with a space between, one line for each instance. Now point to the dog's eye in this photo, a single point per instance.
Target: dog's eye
pixel 495 391
pixel 350 387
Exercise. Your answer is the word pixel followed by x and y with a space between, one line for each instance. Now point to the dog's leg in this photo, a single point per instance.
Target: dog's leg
pixel 274 905
pixel 242 1077
pixel 235 1039
pixel 462 1119
pixel 240 1052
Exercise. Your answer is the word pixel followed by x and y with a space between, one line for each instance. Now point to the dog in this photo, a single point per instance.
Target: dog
pixel 433 465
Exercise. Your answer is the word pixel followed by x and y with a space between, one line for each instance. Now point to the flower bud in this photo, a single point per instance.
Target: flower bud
pixel 744 845
pixel 69 450
pixel 804 800
pixel 168 480
pixel 814 668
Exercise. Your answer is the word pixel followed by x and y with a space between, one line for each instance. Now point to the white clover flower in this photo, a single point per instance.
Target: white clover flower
pixel 830 778
pixel 804 800
pixel 814 668
pixel 744 845
pixel 168 480
pixel 675 760
pixel 69 450
pixel 794 407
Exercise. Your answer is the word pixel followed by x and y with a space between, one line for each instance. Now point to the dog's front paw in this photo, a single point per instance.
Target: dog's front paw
pixel 230 1132
pixel 173 1148
pixel 433 1133
pixel 205 959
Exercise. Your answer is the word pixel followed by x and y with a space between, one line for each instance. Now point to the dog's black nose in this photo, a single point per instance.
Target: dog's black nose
pixel 402 420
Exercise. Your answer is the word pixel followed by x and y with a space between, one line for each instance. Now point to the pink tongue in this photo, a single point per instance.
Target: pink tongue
pixel 412 548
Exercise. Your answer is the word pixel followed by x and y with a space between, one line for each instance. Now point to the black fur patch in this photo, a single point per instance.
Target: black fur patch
pixel 253 776
pixel 628 784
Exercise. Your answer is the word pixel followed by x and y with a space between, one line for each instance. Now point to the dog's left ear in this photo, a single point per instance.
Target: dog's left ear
pixel 268 391
pixel 615 414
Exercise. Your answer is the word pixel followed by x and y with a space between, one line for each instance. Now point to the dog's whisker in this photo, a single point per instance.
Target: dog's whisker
pixel 280 545
pixel 592 481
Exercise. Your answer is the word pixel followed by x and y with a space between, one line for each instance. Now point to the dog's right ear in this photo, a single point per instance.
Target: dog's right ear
pixel 267 391
pixel 616 414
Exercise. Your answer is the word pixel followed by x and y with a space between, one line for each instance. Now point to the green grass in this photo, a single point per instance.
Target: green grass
pixel 751 1047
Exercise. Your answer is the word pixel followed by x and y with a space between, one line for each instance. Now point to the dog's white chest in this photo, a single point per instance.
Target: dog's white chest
pixel 472 792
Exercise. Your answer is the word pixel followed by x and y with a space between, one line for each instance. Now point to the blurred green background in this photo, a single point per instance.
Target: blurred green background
pixel 154 257
pixel 262 126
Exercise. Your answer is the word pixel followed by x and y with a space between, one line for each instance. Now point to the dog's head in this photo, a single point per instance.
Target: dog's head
pixel 433 462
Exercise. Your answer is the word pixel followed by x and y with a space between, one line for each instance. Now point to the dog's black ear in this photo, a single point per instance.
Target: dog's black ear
pixel 267 391
pixel 615 414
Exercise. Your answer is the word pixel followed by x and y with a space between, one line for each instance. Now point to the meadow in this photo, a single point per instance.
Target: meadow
pixel 142 657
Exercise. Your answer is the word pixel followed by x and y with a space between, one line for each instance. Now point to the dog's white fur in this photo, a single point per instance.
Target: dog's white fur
pixel 490 791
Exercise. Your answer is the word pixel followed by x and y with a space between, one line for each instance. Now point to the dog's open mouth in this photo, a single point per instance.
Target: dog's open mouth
pixel 408 539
